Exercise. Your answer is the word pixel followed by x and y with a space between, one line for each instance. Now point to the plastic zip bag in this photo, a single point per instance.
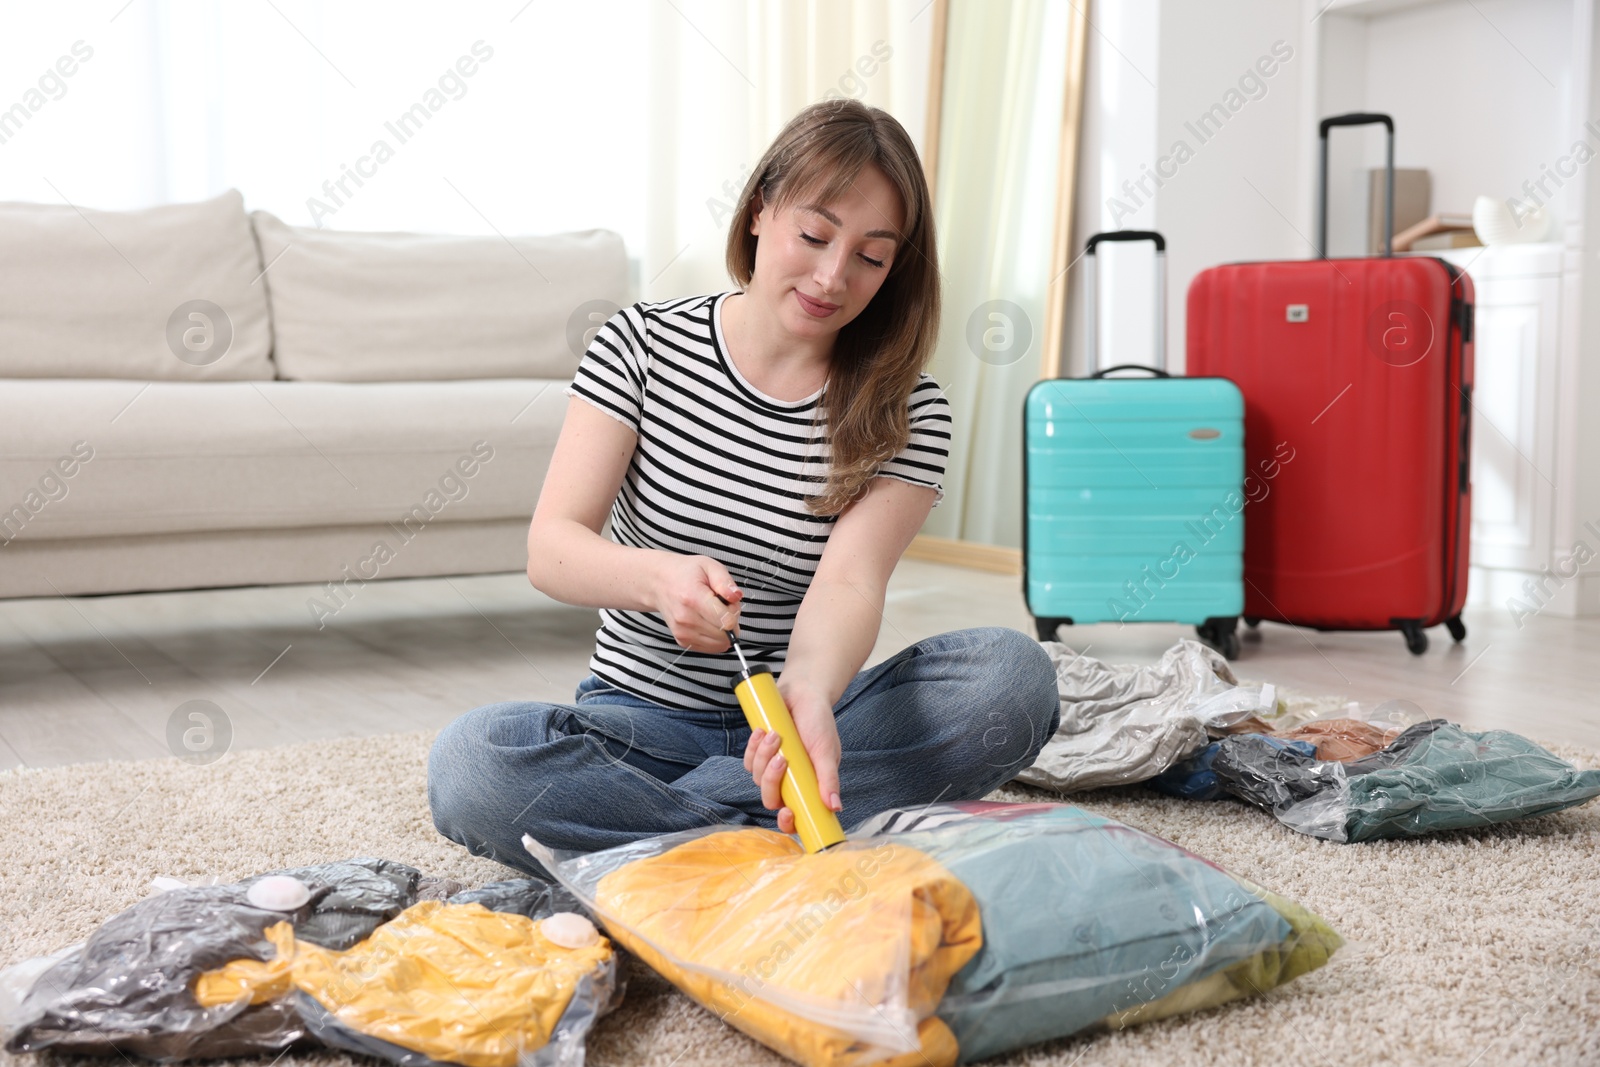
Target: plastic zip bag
pixel 17 980
pixel 837 957
pixel 127 988
pixel 1195 778
pixel 1080 922
pixel 1433 776
pixel 441 983
pixel 1122 723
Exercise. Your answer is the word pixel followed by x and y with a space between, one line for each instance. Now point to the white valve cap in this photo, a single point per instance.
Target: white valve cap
pixel 569 930
pixel 278 892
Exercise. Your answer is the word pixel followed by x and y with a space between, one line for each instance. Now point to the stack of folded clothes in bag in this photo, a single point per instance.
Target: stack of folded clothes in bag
pixel 1186 727
pixel 1432 776
pixel 945 934
pixel 365 955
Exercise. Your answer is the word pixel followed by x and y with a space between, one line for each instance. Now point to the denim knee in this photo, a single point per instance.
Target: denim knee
pixel 1014 696
pixel 1033 678
pixel 1023 670
pixel 460 765
pixel 1014 660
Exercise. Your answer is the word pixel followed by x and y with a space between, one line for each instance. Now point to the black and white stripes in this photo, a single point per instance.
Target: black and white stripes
pixel 721 470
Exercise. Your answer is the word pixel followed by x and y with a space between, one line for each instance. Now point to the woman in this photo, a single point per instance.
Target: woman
pixel 765 456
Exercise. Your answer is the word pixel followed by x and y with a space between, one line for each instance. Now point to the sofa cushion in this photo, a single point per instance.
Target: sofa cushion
pixel 166 293
pixel 357 307
pixel 101 458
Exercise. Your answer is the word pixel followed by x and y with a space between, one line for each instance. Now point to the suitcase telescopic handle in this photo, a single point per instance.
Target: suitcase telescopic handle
pixel 1356 118
pixel 1155 372
pixel 1127 235
pixel 1091 301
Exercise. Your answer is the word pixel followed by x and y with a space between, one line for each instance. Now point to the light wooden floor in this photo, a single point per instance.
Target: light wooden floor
pixel 97 678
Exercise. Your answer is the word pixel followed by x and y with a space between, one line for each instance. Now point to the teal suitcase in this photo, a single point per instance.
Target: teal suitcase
pixel 1134 493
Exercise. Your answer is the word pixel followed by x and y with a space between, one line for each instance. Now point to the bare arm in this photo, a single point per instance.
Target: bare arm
pixel 570 561
pixel 834 632
pixel 839 619
pixel 568 558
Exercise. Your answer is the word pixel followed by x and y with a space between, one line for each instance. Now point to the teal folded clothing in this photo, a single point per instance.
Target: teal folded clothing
pixel 1083 918
pixel 1434 776
pixel 1453 779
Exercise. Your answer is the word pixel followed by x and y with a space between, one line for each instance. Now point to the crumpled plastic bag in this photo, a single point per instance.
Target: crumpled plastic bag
pixel 941 934
pixel 1194 778
pixel 127 988
pixel 1433 776
pixel 530 897
pixel 442 982
pixel 1122 723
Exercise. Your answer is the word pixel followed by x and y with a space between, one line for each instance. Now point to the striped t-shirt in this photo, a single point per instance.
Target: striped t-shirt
pixel 720 469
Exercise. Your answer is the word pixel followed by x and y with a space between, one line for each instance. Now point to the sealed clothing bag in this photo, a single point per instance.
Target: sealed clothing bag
pixel 1122 723
pixel 943 934
pixel 1433 776
pixel 365 955
pixel 127 988
pixel 443 982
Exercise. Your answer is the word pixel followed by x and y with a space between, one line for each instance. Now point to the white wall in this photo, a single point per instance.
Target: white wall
pixel 1449 73
pixel 1239 197
pixel 1119 113
pixel 1240 193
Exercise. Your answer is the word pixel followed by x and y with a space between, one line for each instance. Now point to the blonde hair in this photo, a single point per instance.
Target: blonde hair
pixel 879 356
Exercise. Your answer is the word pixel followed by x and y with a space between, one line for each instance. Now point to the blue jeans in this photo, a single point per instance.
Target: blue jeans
pixel 951 717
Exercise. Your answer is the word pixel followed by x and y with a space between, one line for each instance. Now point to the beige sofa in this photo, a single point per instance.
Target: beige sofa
pixel 193 396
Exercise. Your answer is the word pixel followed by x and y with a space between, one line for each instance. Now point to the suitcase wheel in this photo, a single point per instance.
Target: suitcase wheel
pixel 1416 638
pixel 1457 628
pixel 1222 635
pixel 1251 621
pixel 1046 628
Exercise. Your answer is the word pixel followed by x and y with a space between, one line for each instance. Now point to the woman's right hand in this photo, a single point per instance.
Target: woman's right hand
pixel 686 595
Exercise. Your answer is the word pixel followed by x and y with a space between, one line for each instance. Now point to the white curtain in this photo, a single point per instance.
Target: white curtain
pixel 635 115
pixel 726 76
pixel 1005 82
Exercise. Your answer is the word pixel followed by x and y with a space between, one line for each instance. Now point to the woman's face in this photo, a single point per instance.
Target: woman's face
pixel 818 265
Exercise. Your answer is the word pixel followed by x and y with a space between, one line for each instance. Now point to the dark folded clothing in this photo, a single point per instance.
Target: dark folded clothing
pixel 530 897
pixel 1195 778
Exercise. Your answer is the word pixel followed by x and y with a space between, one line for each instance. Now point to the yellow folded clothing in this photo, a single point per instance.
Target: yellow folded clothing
pixel 830 958
pixel 455 982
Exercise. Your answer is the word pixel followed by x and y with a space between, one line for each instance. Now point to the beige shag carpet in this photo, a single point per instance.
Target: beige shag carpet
pixel 1467 948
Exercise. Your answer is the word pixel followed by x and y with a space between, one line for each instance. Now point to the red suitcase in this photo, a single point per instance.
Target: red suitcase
pixel 1357 380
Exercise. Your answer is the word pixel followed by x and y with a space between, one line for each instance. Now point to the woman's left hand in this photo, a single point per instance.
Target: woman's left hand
pixel 813 718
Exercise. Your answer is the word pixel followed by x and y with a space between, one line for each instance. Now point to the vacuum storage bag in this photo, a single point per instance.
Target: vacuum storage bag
pixel 1433 776
pixel 943 934
pixel 441 983
pixel 127 988
pixel 361 955
pixel 1122 723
